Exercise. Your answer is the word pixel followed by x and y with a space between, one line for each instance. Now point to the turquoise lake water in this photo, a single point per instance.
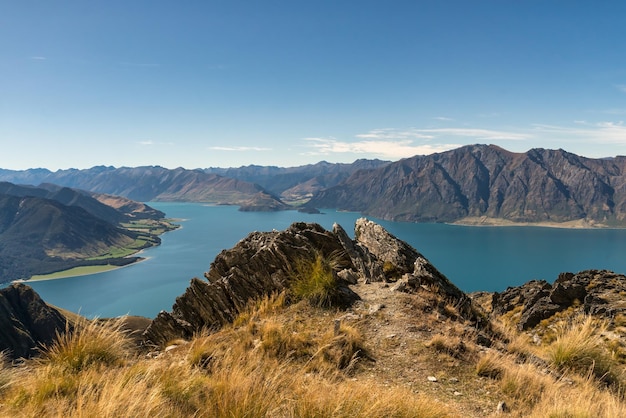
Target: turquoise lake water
pixel 474 258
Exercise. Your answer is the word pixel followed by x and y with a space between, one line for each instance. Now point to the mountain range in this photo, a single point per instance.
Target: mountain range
pixel 486 181
pixel 476 184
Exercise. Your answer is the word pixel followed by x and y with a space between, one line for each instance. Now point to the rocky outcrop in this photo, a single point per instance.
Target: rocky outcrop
pixel 26 321
pixel 595 292
pixel 266 262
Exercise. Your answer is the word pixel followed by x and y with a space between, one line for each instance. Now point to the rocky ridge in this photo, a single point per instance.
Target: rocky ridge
pixel 266 262
pixel 594 292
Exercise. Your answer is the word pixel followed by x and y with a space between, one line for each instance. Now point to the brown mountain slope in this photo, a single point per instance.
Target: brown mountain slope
pixel 487 181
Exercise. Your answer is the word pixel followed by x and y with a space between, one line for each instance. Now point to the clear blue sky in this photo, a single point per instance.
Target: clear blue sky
pixel 230 83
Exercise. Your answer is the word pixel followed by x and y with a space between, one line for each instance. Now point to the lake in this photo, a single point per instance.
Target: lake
pixel 474 258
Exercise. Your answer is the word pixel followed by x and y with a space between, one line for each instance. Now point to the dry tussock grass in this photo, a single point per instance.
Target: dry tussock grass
pixel 278 361
pixel 580 348
pixel 571 375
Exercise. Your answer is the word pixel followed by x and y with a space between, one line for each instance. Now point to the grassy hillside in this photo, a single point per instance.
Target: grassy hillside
pixel 391 354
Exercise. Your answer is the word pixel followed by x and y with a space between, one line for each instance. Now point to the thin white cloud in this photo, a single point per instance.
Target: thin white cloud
pixel 379 148
pixel 38 58
pixel 395 134
pixel 219 148
pixel 434 133
pixel 402 143
pixel 146 143
pixel 478 134
pixel 621 87
pixel 594 133
pixel 443 118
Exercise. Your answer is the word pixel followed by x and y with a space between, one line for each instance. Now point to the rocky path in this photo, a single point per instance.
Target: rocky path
pixel 400 329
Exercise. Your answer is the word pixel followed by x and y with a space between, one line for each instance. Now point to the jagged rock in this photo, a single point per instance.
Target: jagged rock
pixel 567 288
pixel 597 292
pixel 360 260
pixel 541 309
pixel 402 260
pixel 266 262
pixel 518 296
pixel 387 248
pixel 260 264
pixel 26 321
pixel 349 276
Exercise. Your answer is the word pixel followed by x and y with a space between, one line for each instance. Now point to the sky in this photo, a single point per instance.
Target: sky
pixel 208 83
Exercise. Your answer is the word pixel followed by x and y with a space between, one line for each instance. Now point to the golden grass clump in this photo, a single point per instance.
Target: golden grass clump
pixel 490 365
pixel 262 308
pixel 580 398
pixel 451 345
pixel 89 343
pixel 315 281
pixel 279 341
pixel 340 350
pixel 579 347
pixel 524 383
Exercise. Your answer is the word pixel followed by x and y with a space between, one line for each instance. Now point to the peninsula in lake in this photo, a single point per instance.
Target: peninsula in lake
pixel 50 228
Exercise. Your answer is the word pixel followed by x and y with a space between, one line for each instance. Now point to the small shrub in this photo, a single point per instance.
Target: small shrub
pixel 391 271
pixel 315 282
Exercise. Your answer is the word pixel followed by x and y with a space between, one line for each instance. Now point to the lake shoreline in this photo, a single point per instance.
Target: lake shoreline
pixel 479 221
pixel 93 270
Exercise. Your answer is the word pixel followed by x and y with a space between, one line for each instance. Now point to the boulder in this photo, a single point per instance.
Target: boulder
pixel 26 321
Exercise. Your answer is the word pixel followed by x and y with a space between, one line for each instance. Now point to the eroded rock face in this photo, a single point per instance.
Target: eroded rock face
pixel 260 264
pixel 597 291
pixel 26 321
pixel 264 262
pixel 399 261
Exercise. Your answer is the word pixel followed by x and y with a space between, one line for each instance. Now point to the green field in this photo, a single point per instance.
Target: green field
pixel 73 272
pixel 148 229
